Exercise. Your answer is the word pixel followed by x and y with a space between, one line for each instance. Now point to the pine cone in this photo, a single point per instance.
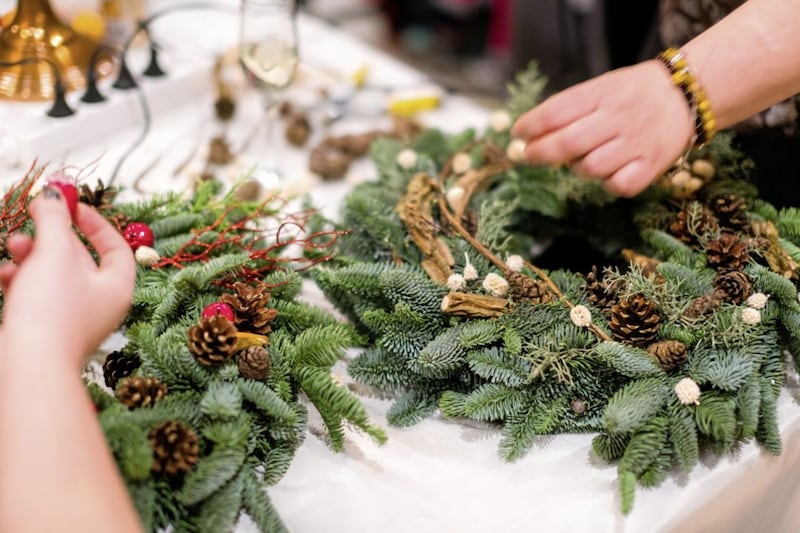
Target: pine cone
pixel 219 151
pixel 3 251
pixel 250 305
pixel 669 354
pixel 298 129
pixel 727 253
pixel 733 286
pixel 731 209
pixel 225 107
pixel 525 289
pixel 101 197
pixel 687 225
pixel 254 363
pixel 175 447
pixel 140 392
pixel 213 340
pixel 329 162
pixel 703 305
pixel 635 320
pixel 119 365
pixel 602 294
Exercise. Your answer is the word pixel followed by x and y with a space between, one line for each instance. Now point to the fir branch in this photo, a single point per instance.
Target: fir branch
pixel 768 433
pixel 610 447
pixel 525 91
pixel 634 404
pixel 267 401
pixel 499 366
pixel 176 224
pixel 683 436
pixel 628 360
pixel 494 402
pixel 411 408
pixel 716 417
pixel 725 369
pixel 452 404
pixel 259 507
pixel 480 333
pixel 522 428
pixel 221 401
pixel 211 474
pixel 222 509
pixel 748 405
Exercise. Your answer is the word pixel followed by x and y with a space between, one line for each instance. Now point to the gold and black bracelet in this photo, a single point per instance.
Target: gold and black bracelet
pixel 683 78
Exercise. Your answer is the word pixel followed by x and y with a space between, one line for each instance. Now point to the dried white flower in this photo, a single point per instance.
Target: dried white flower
pixel 407 159
pixel 337 379
pixel 757 300
pixel 581 316
pixel 470 272
pixel 500 120
pixel 456 282
pixel 751 316
pixel 496 285
pixel 453 195
pixel 687 391
pixel 461 163
pixel 146 256
pixel 516 150
pixel 515 263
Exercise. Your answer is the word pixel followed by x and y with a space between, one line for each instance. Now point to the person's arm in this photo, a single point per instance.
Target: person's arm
pixel 56 471
pixel 628 126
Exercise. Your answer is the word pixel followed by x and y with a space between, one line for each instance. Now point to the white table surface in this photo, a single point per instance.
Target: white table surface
pixel 438 476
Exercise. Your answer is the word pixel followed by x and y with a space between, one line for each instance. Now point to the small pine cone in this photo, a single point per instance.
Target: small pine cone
pixel 213 340
pixel 219 151
pixel 254 363
pixel 119 365
pixel 669 354
pixel 119 221
pixel 734 286
pixel 329 162
pixel 101 197
pixel 140 392
pixel 703 305
pixel 635 320
pixel 602 294
pixel 727 253
pixel 250 305
pixel 525 289
pixel 687 225
pixel 175 447
pixel 3 250
pixel 731 209
pixel 298 129
pixel 225 107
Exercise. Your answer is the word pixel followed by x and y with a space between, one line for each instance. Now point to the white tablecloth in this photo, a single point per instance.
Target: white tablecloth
pixel 439 475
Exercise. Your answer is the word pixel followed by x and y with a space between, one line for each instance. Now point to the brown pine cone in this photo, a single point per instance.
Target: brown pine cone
pixel 703 305
pixel 119 365
pixel 175 447
pixel 731 209
pixel 254 363
pixel 727 253
pixel 225 107
pixel 101 197
pixel 3 251
pixel 526 289
pixel 213 340
pixel 219 151
pixel 250 305
pixel 140 392
pixel 688 226
pixel 635 320
pixel 669 354
pixel 329 162
pixel 602 294
pixel 298 129
pixel 733 286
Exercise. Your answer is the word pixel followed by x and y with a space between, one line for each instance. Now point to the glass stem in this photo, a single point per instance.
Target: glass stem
pixel 269 157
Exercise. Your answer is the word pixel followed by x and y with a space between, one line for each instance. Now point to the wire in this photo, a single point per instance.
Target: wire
pixel 144 105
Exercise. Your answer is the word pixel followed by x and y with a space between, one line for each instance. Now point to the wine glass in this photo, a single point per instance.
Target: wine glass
pixel 268 54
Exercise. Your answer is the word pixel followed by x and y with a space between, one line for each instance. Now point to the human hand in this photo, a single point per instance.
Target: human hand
pixel 57 294
pixel 625 127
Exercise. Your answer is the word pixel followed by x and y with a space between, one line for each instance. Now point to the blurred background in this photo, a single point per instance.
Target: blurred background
pixel 475 46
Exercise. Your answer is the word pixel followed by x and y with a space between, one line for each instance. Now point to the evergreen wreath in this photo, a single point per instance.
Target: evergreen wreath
pixel 204 413
pixel 676 349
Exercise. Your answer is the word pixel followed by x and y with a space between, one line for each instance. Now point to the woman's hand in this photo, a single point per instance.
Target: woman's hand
pixel 625 127
pixel 56 290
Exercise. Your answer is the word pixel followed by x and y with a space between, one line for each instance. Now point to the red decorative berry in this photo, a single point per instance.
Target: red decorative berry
pixel 60 181
pixel 138 234
pixel 218 308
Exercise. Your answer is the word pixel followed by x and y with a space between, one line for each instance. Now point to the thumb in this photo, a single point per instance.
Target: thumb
pixel 51 217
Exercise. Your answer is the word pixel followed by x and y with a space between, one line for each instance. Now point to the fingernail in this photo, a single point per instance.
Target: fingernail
pixel 51 192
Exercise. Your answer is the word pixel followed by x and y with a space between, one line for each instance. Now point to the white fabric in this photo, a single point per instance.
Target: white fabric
pixel 438 476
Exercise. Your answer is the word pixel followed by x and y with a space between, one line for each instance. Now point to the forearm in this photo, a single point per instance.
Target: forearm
pixel 52 449
pixel 749 60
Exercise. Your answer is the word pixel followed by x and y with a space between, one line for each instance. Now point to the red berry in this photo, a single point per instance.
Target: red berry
pixel 60 181
pixel 138 234
pixel 218 308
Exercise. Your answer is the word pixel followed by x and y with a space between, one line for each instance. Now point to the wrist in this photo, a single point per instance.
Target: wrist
pixel 38 351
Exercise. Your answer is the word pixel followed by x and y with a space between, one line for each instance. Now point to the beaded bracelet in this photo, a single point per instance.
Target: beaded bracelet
pixel 683 78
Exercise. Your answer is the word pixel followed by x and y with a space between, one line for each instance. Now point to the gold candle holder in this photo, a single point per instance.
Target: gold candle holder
pixel 36 32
